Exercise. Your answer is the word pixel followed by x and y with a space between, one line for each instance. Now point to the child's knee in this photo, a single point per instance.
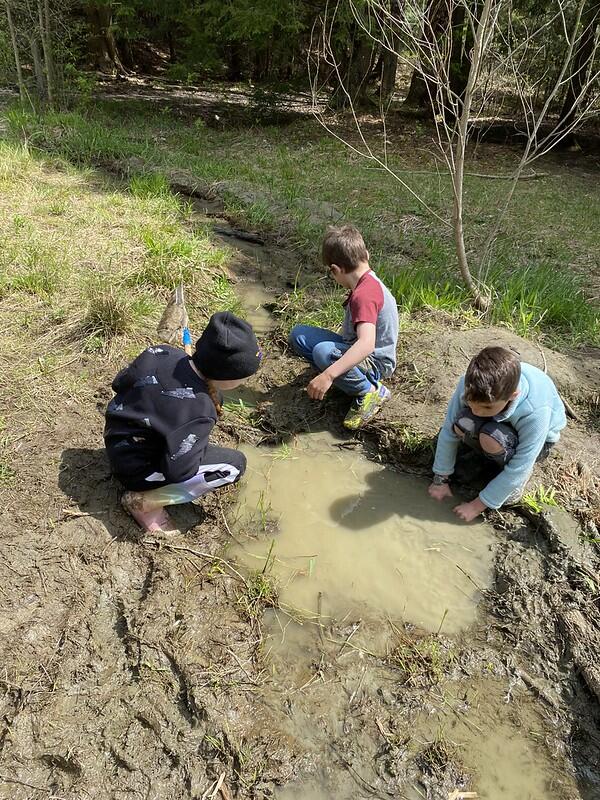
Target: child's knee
pixel 294 337
pixel 490 445
pixel 240 463
pixel 324 354
pixel 458 432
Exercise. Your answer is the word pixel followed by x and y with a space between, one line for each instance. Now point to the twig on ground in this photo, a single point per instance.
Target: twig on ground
pixel 4 779
pixel 543 355
pixel 319 620
pixel 350 635
pixel 356 691
pixel 227 528
pixel 197 553
pixel 214 788
pixel 570 410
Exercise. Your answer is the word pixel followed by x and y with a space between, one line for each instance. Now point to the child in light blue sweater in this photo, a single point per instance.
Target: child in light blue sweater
pixel 509 412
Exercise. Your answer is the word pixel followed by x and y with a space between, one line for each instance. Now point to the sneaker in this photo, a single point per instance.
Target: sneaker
pixel 364 408
pixel 155 521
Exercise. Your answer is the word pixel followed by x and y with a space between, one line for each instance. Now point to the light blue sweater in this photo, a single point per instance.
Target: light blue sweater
pixel 538 416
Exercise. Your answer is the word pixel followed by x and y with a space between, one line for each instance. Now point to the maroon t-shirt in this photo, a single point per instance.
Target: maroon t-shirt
pixel 365 301
pixel 371 301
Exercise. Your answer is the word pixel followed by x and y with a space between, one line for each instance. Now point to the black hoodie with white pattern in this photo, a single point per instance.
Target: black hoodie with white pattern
pixel 159 421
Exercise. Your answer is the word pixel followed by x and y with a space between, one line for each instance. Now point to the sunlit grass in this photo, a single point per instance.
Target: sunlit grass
pixel 539 269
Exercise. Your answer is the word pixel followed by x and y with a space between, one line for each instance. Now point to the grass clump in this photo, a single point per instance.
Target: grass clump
pixel 172 257
pixel 261 593
pixel 260 590
pixel 242 412
pixel 150 184
pixel 112 312
pixel 439 756
pixel 413 443
pixel 42 282
pixel 422 662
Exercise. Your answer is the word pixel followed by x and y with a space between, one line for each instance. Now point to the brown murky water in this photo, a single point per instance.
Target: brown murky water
pixel 373 545
pixel 368 539
pixel 254 297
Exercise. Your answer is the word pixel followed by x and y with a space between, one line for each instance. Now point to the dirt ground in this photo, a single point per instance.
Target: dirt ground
pixel 131 668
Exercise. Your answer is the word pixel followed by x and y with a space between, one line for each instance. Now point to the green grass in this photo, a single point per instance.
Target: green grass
pixel 261 590
pixel 87 265
pixel 150 185
pixel 540 268
pixel 412 442
pixel 539 498
pixel 421 662
pixel 113 312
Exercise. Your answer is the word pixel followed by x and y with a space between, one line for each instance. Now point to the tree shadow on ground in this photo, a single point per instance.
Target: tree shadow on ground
pixel 85 477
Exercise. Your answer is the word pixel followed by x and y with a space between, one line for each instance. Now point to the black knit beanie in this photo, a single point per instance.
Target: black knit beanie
pixel 227 349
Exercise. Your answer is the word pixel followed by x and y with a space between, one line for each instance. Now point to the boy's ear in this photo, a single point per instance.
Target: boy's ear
pixel 368 256
pixel 514 395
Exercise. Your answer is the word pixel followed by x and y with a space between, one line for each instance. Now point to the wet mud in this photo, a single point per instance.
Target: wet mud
pixel 406 656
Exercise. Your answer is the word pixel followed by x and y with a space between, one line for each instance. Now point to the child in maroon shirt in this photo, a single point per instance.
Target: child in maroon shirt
pixel 356 359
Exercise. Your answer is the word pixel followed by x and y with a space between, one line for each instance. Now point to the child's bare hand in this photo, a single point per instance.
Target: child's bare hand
pixel 439 492
pixel 468 511
pixel 319 386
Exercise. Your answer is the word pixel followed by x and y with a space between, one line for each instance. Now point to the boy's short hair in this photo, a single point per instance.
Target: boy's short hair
pixel 345 247
pixel 492 375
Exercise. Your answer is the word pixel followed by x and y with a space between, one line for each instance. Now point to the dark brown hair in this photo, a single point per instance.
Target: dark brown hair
pixel 213 393
pixel 492 375
pixel 344 247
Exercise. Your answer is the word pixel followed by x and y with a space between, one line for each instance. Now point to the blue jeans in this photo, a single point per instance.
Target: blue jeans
pixel 322 348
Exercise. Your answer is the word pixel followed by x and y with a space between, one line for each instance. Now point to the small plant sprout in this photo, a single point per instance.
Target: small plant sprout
pixel 284 452
pixel 540 497
pixel 261 589
pixel 263 507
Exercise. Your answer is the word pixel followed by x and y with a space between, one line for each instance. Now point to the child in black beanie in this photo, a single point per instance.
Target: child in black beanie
pixel 159 422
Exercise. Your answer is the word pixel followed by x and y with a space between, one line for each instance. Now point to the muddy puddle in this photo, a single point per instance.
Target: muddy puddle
pixel 359 551
pixel 256 301
pixel 497 752
pixel 365 540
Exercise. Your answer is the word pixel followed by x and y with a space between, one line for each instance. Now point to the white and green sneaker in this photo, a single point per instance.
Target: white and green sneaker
pixel 364 408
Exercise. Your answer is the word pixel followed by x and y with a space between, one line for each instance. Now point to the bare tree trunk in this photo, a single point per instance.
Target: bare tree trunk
pixel 355 71
pixel 389 59
pixel 582 58
pixel 15 46
pixel 102 41
pixel 38 67
pixel 417 96
pixel 479 301
pixel 462 46
pixel 48 60
pixel 419 93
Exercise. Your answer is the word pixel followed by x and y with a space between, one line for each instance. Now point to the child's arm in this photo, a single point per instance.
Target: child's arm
pixel 532 437
pixel 185 447
pixel 447 443
pixel 362 347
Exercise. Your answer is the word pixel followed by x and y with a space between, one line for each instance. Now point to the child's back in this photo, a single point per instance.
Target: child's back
pixel 372 301
pixel 357 359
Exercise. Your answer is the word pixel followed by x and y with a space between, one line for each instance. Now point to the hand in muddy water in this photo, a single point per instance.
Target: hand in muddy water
pixel 439 492
pixel 468 511
pixel 319 386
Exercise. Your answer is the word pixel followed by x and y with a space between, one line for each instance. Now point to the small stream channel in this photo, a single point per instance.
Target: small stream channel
pixel 353 543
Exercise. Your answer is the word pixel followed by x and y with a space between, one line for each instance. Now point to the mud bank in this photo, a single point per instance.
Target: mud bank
pixel 138 667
